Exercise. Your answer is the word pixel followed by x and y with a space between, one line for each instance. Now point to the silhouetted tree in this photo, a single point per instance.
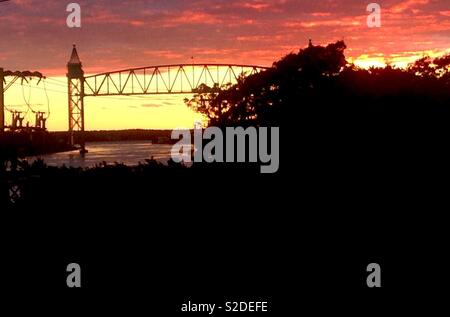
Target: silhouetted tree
pixel 257 99
pixel 319 77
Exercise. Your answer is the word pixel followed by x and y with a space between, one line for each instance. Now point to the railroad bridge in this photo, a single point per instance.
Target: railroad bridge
pixel 151 80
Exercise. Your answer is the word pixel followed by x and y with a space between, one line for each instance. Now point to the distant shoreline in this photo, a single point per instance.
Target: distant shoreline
pixel 156 136
pixel 21 144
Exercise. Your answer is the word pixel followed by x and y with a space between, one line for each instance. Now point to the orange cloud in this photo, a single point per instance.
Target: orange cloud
pixel 190 17
pixel 401 60
pixel 256 5
pixel 408 4
pixel 321 14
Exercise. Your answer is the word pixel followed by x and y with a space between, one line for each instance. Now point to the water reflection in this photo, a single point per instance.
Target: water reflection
pixel 129 153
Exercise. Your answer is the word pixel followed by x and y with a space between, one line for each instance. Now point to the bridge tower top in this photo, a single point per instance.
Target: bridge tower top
pixel 74 66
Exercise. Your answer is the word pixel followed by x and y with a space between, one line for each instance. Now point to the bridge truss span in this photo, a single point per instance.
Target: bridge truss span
pixel 152 80
pixel 166 79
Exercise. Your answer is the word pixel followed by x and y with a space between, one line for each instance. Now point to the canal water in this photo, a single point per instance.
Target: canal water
pixel 128 152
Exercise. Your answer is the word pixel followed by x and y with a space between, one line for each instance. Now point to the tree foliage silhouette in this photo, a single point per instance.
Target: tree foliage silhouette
pixel 320 76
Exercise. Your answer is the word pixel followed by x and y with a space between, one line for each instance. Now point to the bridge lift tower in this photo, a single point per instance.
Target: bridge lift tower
pixel 75 76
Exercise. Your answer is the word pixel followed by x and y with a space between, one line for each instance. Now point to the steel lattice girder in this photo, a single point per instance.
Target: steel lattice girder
pixel 166 79
pixel 76 107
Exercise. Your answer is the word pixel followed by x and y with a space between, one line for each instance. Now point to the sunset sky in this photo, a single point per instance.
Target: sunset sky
pixel 120 34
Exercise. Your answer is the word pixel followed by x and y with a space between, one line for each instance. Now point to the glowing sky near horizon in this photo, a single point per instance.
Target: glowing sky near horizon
pixel 119 34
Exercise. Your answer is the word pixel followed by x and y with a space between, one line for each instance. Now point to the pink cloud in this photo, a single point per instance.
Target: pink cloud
pixel 117 34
